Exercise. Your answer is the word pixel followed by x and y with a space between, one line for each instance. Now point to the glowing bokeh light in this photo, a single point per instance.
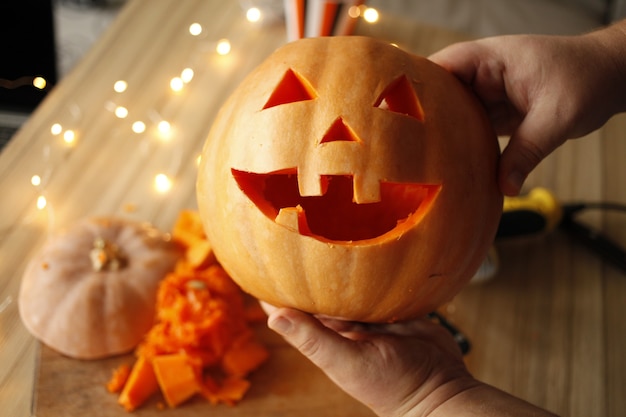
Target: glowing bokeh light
pixel 35 180
pixel 56 129
pixel 69 137
pixel 195 29
pixel 41 202
pixel 162 183
pixel 223 47
pixel 187 75
pixel 39 82
pixel 164 126
pixel 120 86
pixel 253 14
pixel 138 127
pixel 121 112
pixel 176 84
pixel 371 15
pixel 354 12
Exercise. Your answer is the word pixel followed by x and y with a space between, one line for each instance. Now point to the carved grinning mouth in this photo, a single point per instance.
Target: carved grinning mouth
pixel 334 216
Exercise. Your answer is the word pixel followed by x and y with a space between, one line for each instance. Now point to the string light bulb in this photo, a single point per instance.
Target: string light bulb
pixel 138 127
pixel 223 47
pixel 176 84
pixel 164 127
pixel 35 180
pixel 56 129
pixel 69 137
pixel 39 82
pixel 253 14
pixel 195 29
pixel 162 183
pixel 41 202
pixel 354 12
pixel 187 75
pixel 371 15
pixel 120 86
pixel 121 112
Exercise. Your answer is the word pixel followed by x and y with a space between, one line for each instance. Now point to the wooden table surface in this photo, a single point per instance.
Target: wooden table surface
pixel 549 327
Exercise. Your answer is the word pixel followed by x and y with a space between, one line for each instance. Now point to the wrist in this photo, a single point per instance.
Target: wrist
pixel 484 400
pixel 612 44
pixel 433 395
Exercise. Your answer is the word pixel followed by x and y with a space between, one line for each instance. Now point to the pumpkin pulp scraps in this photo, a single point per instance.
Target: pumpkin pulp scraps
pixel 202 342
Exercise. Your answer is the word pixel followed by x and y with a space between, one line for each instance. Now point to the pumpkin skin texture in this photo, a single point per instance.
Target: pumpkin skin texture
pixel 86 313
pixel 348 178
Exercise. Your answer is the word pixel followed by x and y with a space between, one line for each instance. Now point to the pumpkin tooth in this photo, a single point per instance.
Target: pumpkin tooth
pixel 365 191
pixel 288 217
pixel 310 185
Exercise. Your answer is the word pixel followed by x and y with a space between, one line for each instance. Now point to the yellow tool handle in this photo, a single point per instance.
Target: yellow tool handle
pixel 536 212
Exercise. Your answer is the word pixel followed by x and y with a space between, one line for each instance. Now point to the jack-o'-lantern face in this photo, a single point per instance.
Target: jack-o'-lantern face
pixel 344 174
pixel 334 212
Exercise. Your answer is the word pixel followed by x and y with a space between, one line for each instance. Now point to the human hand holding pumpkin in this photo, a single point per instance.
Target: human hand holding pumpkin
pixel 542 90
pixel 405 369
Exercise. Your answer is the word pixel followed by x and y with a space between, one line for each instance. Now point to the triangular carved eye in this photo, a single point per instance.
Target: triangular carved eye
pixel 400 97
pixel 291 88
pixel 339 131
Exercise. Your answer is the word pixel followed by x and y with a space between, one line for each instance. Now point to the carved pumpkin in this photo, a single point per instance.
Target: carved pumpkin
pixel 349 178
pixel 90 292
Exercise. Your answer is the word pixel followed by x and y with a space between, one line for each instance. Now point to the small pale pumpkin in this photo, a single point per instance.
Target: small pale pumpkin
pixel 349 178
pixel 90 292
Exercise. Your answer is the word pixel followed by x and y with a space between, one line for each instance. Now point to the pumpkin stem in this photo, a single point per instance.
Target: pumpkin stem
pixel 106 256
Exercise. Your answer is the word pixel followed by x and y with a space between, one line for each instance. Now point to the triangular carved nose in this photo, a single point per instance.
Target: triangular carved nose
pixel 339 131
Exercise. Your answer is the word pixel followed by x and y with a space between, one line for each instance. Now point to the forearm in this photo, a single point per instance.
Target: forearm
pixel 486 401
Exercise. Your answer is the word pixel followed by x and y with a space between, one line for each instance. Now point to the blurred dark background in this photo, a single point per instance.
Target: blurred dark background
pixel 27 50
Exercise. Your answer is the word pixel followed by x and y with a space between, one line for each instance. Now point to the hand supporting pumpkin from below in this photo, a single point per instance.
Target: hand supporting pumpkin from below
pixel 414 368
pixel 349 178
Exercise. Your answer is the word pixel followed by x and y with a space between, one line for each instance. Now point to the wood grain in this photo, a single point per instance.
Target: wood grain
pixel 286 385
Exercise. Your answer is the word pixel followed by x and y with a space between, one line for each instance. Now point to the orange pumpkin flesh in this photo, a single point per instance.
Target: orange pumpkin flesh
pixel 348 178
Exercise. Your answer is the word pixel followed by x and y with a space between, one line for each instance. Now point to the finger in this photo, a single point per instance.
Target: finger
pixel 342 326
pixel 268 308
pixel 425 330
pixel 530 143
pixel 461 59
pixel 322 345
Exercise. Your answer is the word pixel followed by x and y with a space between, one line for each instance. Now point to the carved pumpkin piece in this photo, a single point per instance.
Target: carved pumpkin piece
pixel 349 178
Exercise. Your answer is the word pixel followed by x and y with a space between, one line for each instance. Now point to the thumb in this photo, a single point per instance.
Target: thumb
pixel 323 346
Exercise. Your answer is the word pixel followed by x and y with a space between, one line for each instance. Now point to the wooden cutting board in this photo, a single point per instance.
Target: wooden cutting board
pixel 287 385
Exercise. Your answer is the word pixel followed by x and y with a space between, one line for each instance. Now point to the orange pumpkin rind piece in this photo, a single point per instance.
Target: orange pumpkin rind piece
pixel 177 377
pixel 118 378
pixel 230 391
pixel 200 254
pixel 244 356
pixel 141 384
